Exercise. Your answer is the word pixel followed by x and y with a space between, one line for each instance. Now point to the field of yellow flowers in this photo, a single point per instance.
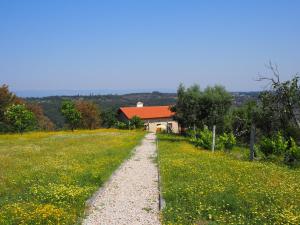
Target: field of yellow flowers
pixel 46 177
pixel 201 187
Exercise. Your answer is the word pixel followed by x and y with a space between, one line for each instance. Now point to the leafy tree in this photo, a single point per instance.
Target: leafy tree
pixel 19 118
pixel 241 118
pixel 43 122
pixel 90 114
pixel 187 106
pixel 136 122
pixel 196 108
pixel 214 105
pixel 71 114
pixel 7 98
pixel 280 104
pixel 109 118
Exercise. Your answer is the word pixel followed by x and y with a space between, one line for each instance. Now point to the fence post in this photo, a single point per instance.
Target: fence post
pixel 213 138
pixel 252 138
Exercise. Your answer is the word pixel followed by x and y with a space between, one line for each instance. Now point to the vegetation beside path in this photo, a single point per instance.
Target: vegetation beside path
pixel 201 187
pixel 46 177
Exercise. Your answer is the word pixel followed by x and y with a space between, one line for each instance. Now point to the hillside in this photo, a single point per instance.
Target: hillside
pixel 52 104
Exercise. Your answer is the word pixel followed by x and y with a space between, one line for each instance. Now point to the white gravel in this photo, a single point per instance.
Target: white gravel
pixel 131 196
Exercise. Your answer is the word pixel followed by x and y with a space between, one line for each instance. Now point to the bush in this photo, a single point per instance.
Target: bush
pixel 292 154
pixel 122 125
pixel 226 141
pixel 275 145
pixel 190 133
pixel 136 122
pixel 203 139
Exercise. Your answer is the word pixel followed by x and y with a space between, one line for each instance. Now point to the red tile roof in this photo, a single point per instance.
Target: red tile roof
pixel 147 112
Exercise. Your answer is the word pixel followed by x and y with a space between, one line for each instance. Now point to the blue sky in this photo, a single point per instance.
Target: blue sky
pixel 122 45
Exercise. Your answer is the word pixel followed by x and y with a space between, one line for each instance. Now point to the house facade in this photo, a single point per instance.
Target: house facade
pixel 155 118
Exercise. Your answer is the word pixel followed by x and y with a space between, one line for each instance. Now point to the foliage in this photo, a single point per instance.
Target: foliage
pixel 227 141
pixel 43 122
pixel 241 119
pixel 109 118
pixel 122 125
pixel 19 118
pixel 71 114
pixel 276 145
pixel 108 104
pixel 203 139
pixel 196 108
pixel 90 114
pixel 281 103
pixel 292 154
pixel 214 106
pixel 47 177
pixel 136 122
pixel 186 106
pixel 201 187
pixel 7 99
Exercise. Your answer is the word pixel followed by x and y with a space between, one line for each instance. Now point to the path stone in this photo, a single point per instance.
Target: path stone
pixel 131 196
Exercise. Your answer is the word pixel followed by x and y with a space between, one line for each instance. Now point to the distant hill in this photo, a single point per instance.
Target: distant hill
pixel 52 104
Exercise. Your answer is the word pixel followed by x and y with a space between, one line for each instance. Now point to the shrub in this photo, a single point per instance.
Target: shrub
pixel 275 145
pixel 226 141
pixel 203 139
pixel 190 133
pixel 292 154
pixel 136 122
pixel 122 125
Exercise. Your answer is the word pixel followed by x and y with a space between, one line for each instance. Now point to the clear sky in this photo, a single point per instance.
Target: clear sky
pixel 55 44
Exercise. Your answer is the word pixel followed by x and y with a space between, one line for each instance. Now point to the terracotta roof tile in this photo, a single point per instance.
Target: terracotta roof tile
pixel 147 112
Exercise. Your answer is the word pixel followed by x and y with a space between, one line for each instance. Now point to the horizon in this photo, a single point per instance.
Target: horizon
pixel 132 45
pixel 71 93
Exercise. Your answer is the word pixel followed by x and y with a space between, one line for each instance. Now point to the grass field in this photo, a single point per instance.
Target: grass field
pixel 46 178
pixel 201 187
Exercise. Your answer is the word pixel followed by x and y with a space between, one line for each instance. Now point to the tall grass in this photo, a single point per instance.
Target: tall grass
pixel 201 187
pixel 46 177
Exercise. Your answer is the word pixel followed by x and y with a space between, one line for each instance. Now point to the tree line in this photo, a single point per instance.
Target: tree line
pixel 19 115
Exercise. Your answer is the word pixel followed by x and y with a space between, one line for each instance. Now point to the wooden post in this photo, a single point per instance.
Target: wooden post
pixel 213 138
pixel 252 138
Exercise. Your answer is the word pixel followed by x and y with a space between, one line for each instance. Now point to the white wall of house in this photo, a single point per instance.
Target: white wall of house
pixel 153 125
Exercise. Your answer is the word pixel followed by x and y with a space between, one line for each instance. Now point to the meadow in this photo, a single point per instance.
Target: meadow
pixel 200 187
pixel 47 177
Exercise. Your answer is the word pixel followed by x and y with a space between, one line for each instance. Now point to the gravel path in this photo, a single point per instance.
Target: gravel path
pixel 131 196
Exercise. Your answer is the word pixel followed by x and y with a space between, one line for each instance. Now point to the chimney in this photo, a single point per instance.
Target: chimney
pixel 139 104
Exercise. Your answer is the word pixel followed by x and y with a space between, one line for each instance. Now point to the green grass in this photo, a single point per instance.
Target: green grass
pixel 46 177
pixel 201 187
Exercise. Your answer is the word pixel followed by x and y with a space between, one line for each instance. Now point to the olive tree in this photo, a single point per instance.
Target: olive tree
pixel 196 108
